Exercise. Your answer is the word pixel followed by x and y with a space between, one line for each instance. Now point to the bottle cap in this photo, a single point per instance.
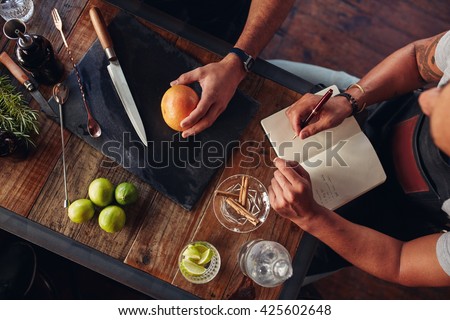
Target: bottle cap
pixel 25 41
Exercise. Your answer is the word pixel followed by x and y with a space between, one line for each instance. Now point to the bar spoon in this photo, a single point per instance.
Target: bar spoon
pixel 60 94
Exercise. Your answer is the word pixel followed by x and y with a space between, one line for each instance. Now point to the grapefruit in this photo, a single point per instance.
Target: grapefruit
pixel 176 104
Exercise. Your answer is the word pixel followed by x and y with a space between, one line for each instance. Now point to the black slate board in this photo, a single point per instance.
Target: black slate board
pixel 179 168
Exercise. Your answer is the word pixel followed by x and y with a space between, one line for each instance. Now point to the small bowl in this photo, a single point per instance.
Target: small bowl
pixel 212 267
pixel 257 204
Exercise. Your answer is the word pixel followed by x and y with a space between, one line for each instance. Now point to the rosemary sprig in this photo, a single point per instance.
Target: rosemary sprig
pixel 15 114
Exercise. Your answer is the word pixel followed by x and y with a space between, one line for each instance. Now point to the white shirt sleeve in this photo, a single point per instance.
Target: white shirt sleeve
pixel 446 207
pixel 442 56
pixel 443 252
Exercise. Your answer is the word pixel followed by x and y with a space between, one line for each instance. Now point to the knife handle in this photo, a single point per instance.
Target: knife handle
pixel 102 32
pixel 15 70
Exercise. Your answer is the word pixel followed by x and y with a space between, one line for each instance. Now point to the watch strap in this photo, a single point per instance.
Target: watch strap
pixel 246 59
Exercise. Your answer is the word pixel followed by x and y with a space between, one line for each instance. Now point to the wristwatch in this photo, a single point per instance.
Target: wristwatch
pixel 246 59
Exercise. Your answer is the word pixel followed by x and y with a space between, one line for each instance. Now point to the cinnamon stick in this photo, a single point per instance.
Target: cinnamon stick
pixel 227 194
pixel 242 211
pixel 243 191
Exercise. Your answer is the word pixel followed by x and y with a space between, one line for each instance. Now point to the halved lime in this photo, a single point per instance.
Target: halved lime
pixel 192 253
pixel 205 257
pixel 192 268
pixel 200 247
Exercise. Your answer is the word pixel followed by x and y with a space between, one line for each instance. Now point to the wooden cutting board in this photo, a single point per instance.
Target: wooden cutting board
pixel 179 168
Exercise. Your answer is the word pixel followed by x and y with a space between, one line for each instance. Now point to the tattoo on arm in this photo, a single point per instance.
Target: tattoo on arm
pixel 425 56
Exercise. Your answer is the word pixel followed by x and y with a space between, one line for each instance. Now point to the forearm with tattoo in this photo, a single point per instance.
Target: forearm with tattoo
pixel 425 51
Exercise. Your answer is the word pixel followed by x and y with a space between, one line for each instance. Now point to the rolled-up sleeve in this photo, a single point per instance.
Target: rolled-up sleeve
pixel 442 58
pixel 443 252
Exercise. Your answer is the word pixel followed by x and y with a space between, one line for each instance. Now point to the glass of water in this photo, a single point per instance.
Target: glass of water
pixel 16 9
pixel 267 263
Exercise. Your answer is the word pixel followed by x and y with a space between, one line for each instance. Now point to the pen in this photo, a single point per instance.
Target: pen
pixel 316 110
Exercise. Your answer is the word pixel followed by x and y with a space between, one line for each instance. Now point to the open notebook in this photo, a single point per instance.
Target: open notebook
pixel 341 161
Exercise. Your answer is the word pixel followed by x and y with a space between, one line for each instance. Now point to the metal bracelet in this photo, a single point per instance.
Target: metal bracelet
pixel 356 85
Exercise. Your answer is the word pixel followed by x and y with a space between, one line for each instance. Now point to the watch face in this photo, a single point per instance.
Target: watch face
pixel 249 64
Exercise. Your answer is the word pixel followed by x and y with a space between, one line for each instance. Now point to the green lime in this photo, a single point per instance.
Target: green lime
pixel 192 268
pixel 191 253
pixel 205 257
pixel 112 219
pixel 101 192
pixel 200 247
pixel 126 193
pixel 81 210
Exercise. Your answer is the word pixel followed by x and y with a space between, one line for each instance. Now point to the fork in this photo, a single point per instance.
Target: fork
pixel 58 24
pixel 93 127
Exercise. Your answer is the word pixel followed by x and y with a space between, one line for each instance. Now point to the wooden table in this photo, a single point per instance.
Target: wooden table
pixel 144 254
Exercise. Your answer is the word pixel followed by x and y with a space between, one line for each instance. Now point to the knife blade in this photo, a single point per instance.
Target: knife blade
pixel 116 73
pixel 22 77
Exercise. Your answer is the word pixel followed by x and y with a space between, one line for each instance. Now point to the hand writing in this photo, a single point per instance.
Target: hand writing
pixel 290 192
pixel 331 115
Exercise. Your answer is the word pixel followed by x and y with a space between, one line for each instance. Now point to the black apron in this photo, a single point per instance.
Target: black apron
pixel 418 171
pixel 223 19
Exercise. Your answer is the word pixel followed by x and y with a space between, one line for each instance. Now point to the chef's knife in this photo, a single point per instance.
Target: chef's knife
pixel 22 77
pixel 116 73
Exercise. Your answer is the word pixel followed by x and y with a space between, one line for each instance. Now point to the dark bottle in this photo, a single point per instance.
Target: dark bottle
pixel 35 54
